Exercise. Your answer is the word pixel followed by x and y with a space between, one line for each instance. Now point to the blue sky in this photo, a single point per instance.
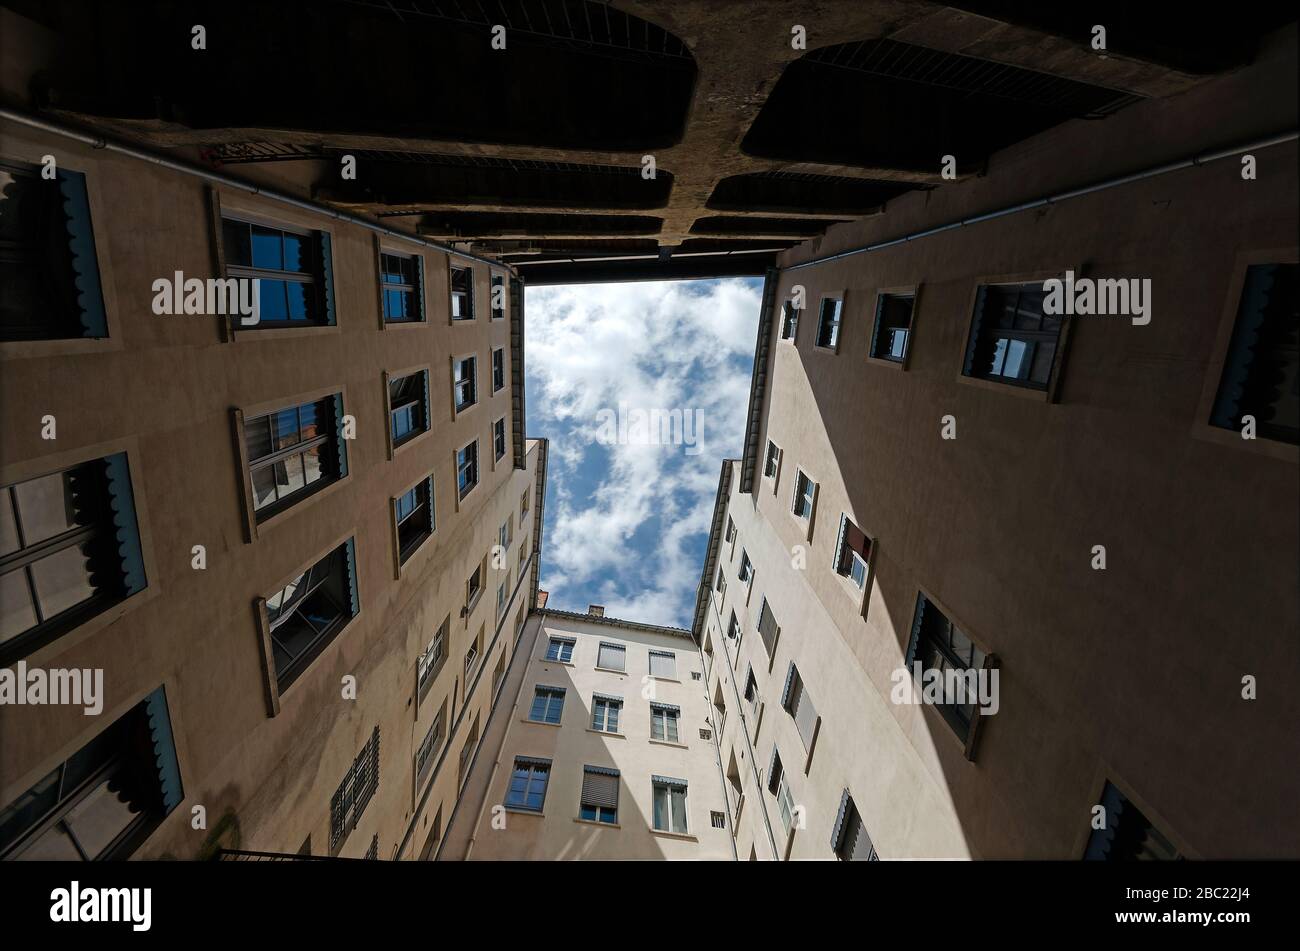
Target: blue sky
pixel 627 519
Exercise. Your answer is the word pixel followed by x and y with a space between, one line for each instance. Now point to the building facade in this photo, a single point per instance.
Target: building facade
pixel 609 750
pixel 1094 515
pixel 293 548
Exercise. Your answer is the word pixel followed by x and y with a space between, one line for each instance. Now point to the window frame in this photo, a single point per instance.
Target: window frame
pixel 498 352
pixel 405 553
pixel 837 324
pixel 912 291
pixel 459 408
pixel 1048 394
pixel 423 402
pixel 657 783
pixel 416 289
pixel 613 645
pixel 535 765
pixel 474 465
pixel 321 279
pixel 468 294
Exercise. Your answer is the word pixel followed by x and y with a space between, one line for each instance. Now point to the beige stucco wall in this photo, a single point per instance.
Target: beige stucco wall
pixel 558 833
pixel 1132 674
pixel 163 388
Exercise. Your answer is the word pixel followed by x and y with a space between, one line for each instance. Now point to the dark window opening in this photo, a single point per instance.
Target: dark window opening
pixel 1011 340
pixel 292 453
pixel 309 612
pixel 893 328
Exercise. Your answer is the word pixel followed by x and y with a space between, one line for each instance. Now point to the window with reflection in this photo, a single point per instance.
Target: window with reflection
pixel 309 612
pixel 292 268
pixel 293 452
pixel 408 407
pixel 401 279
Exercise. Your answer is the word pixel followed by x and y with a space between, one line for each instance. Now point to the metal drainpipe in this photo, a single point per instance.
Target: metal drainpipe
pixel 1203 159
pixel 99 142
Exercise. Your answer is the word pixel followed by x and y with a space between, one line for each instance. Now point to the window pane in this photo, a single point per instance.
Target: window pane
pixel 267 248
pixel 16 611
pixel 62 580
pixel 98 819
pixel 8 527
pixel 45 507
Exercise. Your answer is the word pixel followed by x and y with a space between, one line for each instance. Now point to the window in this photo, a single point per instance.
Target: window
pixel 717 819
pixel 663 664
pixel 467 469
pixel 799 705
pixel 828 323
pixel 937 644
pixel 663 722
pixel 721 583
pixel 523 560
pixel 606 711
pixel 501 598
pixel 528 781
pixel 669 804
pixel 499 674
pixel 1261 373
pixel 805 492
pixel 413 510
pixel 611 656
pixel 292 268
pixel 354 792
pixel 1128 835
pixel 69 549
pixel 504 534
pixel 772 461
pixel 471 657
pixel 467 754
pixel 893 328
pixel 695 674
pixel 599 794
pixel 464 382
pixel 462 293
pixel 431 660
pixel 731 529
pixel 103 801
pixel 706 733
pixel 294 452
pixel 746 572
pixel 778 784
pixel 408 407
pixel 849 839
pixel 768 629
pixel 498 369
pixel 309 612
pixel 474 586
pixel 1011 339
pixel 852 553
pixel 548 705
pixel 523 506
pixel 401 278
pixel 789 320
pixel 499 439
pixel 48 266
pixel 751 689
pixel 498 301
pixel 561 649
pixel 733 627
pixel 429 748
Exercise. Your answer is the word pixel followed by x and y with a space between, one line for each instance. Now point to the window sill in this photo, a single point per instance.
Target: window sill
pixel 665 680
pixel 680 746
pixel 621 736
pixel 524 812
pixel 538 722
pixel 600 825
pixel 684 836
pixel 611 670
pixel 562 663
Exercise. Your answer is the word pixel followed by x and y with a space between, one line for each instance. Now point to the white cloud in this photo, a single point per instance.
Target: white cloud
pixel 645 346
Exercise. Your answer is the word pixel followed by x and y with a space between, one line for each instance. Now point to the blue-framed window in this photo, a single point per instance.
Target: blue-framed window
pixel 548 704
pixel 1011 339
pixel 467 469
pixel 309 612
pixel 48 265
pixel 105 800
pixel 560 648
pixel 293 452
pixel 293 270
pixel 69 549
pixel 464 382
pixel 1261 373
pixel 528 781
pixel 402 286
pixel 408 406
pixel 413 510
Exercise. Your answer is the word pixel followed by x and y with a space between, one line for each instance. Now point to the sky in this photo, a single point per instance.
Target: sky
pixel 628 511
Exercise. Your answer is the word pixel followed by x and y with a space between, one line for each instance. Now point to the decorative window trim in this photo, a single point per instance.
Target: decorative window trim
pixel 902 290
pixel 1202 428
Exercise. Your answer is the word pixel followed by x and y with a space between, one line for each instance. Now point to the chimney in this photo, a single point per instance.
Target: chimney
pixel 541 599
pixel 596 610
